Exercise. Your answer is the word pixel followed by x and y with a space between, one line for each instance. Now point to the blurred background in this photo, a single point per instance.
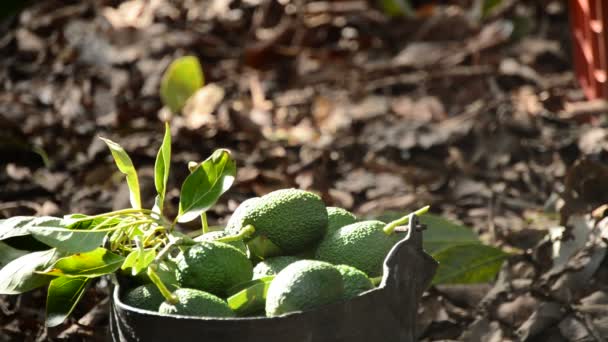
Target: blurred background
pixel 379 105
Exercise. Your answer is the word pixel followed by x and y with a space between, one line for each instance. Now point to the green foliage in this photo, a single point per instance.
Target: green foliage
pixel 206 184
pixel 181 80
pixel 441 234
pixel 161 170
pixel 95 263
pixel 125 165
pixel 20 275
pixel 468 263
pixel 8 254
pixel 62 297
pixel 252 299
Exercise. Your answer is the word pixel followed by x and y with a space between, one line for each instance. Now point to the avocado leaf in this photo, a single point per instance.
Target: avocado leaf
pixel 204 186
pixel 95 263
pixel 62 296
pixel 125 165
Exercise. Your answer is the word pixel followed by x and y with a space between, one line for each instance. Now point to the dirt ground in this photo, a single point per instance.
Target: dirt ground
pixel 479 116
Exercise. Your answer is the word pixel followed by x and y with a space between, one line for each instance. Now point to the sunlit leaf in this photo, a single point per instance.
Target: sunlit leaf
pixel 69 240
pixel 181 79
pixel 206 184
pixel 138 260
pixel 125 165
pixel 161 170
pixel 251 299
pixel 441 233
pixel 92 264
pixel 20 275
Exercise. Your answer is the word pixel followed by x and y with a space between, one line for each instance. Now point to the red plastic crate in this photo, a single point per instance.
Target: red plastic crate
pixel 590 39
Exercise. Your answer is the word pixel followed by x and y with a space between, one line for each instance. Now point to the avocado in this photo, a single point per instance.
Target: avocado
pixel 213 267
pixel 363 245
pixel 338 218
pixel 272 266
pixel 355 281
pixel 146 297
pixel 192 302
pixel 212 236
pixel 293 220
pixel 304 285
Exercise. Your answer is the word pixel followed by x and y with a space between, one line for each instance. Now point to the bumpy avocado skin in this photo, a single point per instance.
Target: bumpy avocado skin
pixel 292 219
pixel 355 281
pixel 338 218
pixel 304 285
pixel 363 245
pixel 272 266
pixel 191 302
pixel 213 267
pixel 238 218
pixel 146 297
pixel 212 236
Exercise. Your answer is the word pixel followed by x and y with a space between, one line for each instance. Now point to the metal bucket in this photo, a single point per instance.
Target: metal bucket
pixel 386 313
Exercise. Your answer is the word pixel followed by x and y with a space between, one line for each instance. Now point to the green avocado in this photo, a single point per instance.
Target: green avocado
pixel 355 281
pixel 272 266
pixel 363 245
pixel 212 236
pixel 338 218
pixel 192 302
pixel 213 267
pixel 293 220
pixel 146 297
pixel 304 285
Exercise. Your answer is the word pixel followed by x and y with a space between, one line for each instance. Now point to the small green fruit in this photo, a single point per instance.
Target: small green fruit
pixel 191 302
pixel 304 285
pixel 146 297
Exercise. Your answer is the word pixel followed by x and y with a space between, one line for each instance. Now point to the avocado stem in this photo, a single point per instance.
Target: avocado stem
pixel 245 232
pixel 161 287
pixel 390 227
pixel 204 221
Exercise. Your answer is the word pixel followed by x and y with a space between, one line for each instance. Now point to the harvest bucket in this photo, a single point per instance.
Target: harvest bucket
pixel 386 313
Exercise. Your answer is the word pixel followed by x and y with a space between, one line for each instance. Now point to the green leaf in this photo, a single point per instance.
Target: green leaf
pixel 203 187
pixel 83 222
pixel 63 295
pixel 240 287
pixel 181 80
pixel 92 264
pixel 251 299
pixel 468 264
pixel 20 275
pixel 138 260
pixel 161 170
pixel 8 254
pixel 69 240
pixel 441 233
pixel 125 165
pixel 20 225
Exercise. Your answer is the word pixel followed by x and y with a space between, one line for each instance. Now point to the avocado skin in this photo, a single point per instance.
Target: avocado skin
pixel 355 281
pixel 304 285
pixel 294 220
pixel 363 245
pixel 146 297
pixel 192 302
pixel 272 266
pixel 338 218
pixel 212 236
pixel 213 267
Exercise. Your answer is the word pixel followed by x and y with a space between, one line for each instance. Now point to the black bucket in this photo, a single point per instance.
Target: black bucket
pixel 386 313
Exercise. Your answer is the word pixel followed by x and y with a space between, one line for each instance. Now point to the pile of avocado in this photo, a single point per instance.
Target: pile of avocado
pixel 310 255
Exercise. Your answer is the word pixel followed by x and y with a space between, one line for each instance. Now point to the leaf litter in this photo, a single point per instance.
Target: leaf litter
pixel 481 118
